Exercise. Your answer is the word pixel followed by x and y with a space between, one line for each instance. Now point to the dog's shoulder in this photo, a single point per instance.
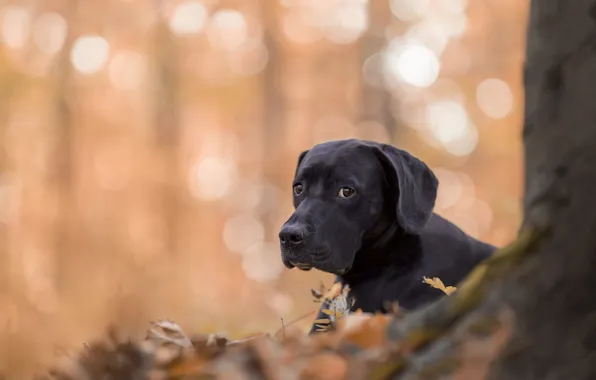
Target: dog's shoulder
pixel 448 251
pixel 442 235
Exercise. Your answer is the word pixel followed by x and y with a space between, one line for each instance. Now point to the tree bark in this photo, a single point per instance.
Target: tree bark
pixel 552 294
pixel 547 276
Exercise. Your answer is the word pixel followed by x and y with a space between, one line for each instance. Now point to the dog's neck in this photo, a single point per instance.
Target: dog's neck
pixel 377 254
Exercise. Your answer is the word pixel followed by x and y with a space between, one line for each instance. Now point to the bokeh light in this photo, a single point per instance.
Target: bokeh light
pixel 297 28
pixel 212 178
pixel 494 98
pixel 409 10
pixel 452 6
pixel 189 17
pixel 128 70
pixel 451 126
pixel 412 63
pixel 347 22
pixel 242 232
pixel 49 32
pixel 16 22
pixel 429 34
pixel 90 53
pixel 372 70
pixel 450 189
pixel 282 304
pixel 253 62
pixel 261 263
pixel 454 24
pixel 227 29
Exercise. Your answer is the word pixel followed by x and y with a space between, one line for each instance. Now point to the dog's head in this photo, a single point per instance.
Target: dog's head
pixel 342 190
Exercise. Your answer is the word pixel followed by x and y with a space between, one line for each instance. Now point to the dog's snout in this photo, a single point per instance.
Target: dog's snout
pixel 291 235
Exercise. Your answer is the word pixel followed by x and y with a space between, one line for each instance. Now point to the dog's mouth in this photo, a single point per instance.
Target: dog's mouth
pixel 301 266
pixel 319 260
pixel 307 267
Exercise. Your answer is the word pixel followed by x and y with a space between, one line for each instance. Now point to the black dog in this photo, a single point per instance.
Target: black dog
pixel 364 211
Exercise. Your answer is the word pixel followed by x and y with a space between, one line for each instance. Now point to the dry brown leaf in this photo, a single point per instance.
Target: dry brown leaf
pixel 190 367
pixel 166 354
pixel 325 366
pixel 450 289
pixel 436 283
pixel 175 355
pixel 365 330
pixel 336 290
pixel 168 332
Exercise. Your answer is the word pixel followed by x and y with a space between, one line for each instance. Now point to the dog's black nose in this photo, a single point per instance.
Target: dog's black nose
pixel 291 236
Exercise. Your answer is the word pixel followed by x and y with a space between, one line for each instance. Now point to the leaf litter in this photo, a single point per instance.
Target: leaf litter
pixel 354 346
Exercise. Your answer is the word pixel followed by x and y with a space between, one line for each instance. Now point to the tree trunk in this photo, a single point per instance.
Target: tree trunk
pixel 375 101
pixel 273 110
pixel 167 129
pixel 5 97
pixel 549 272
pixel 63 175
pixel 552 294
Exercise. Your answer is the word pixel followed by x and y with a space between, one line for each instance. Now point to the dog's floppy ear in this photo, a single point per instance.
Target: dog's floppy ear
pixel 413 183
pixel 300 158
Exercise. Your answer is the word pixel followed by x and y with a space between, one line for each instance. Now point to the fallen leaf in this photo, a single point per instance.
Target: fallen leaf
pixel 364 330
pixel 436 283
pixel 168 332
pixel 190 367
pixel 325 366
pixel 335 291
pixel 450 289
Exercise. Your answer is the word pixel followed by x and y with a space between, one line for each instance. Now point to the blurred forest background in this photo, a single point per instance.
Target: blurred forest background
pixel 147 147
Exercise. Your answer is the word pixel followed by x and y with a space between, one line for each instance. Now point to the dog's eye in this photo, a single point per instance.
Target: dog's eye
pixel 346 192
pixel 298 189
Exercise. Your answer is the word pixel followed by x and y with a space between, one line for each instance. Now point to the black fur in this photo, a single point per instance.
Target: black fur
pixel 383 239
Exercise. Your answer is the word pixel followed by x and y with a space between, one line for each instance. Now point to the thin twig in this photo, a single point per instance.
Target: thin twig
pixel 295 321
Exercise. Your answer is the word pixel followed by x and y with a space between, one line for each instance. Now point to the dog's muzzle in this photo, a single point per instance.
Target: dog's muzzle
pixel 301 266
